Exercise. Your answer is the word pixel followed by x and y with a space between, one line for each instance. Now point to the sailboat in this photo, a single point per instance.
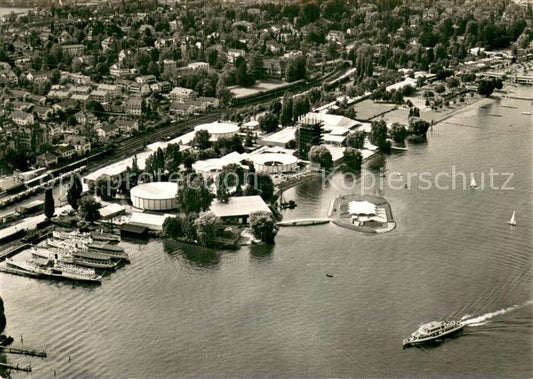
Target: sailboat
pixel 512 221
pixel 473 183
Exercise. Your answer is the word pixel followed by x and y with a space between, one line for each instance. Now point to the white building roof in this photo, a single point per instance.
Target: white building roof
pixel 151 221
pixel 111 210
pixel 239 206
pixel 155 190
pixel 215 128
pixel 282 137
pixel 331 121
pixel 216 164
pixel 362 207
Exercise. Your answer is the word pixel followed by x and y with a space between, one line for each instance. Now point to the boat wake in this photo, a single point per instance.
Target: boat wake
pixel 481 320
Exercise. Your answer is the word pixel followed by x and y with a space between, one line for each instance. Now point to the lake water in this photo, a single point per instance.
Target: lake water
pixel 273 312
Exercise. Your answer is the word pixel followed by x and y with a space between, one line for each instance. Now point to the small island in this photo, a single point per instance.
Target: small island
pixel 363 213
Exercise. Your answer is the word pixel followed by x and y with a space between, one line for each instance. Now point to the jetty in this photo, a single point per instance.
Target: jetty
pixel 16 271
pixel 304 222
pixel 16 367
pixel 12 251
pixel 32 353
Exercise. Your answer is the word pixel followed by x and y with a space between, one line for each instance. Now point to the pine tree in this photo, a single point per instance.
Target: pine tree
pixel 49 206
pixel 74 192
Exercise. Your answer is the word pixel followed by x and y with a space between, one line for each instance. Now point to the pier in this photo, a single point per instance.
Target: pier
pixel 12 251
pixel 304 222
pixel 32 353
pixel 15 271
pixel 16 367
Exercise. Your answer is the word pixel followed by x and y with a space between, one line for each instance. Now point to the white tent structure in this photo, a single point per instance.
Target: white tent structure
pixel 362 208
pixel 364 211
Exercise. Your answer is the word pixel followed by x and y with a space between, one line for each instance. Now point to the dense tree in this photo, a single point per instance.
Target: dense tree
pixel 49 205
pixel 3 321
pixel 194 196
pixel 322 156
pixel 260 184
pixel 296 69
pixel 485 87
pixel 173 227
pixel 89 208
pixel 257 68
pixel 353 158
pixel 356 139
pixel 418 126
pixel 285 117
pixel 269 122
pixel 201 140
pixel 300 107
pixel 106 187
pixel 378 136
pixel 263 226
pixel 74 192
pixel 398 132
pixel 208 227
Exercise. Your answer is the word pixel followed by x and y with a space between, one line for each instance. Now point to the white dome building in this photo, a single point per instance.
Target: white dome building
pixel 219 129
pixel 156 196
pixel 273 163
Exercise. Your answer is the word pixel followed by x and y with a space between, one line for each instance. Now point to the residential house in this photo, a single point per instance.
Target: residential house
pixel 133 105
pixel 182 94
pixel 336 36
pixel 37 99
pixel 47 159
pixel 66 151
pixel 145 79
pixel 198 66
pixel 21 106
pixel 117 71
pixel 22 118
pixel 39 77
pixel 207 102
pixel 81 144
pixel 181 109
pixel 43 113
pixel 272 68
pixel 106 131
pixel 100 96
pixel 112 89
pixel 80 90
pixel 127 126
pixel 80 117
pixel 73 50
pixel 233 54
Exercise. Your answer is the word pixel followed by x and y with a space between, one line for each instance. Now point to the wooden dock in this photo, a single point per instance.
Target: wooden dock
pixel 304 222
pixel 16 367
pixel 12 251
pixel 15 271
pixel 32 353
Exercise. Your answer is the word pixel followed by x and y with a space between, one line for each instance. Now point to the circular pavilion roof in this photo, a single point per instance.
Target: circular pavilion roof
pixel 273 159
pixel 214 128
pixel 155 190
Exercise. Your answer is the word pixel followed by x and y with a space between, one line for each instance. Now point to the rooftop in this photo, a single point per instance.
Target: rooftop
pixel 239 206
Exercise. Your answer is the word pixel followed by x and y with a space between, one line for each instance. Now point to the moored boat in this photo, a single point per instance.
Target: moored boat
pixel 108 250
pixel 100 236
pixel 56 270
pixel 76 257
pixel 432 331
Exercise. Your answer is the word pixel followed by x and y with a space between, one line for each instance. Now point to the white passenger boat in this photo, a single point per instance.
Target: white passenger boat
pixel 56 270
pixel 432 331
